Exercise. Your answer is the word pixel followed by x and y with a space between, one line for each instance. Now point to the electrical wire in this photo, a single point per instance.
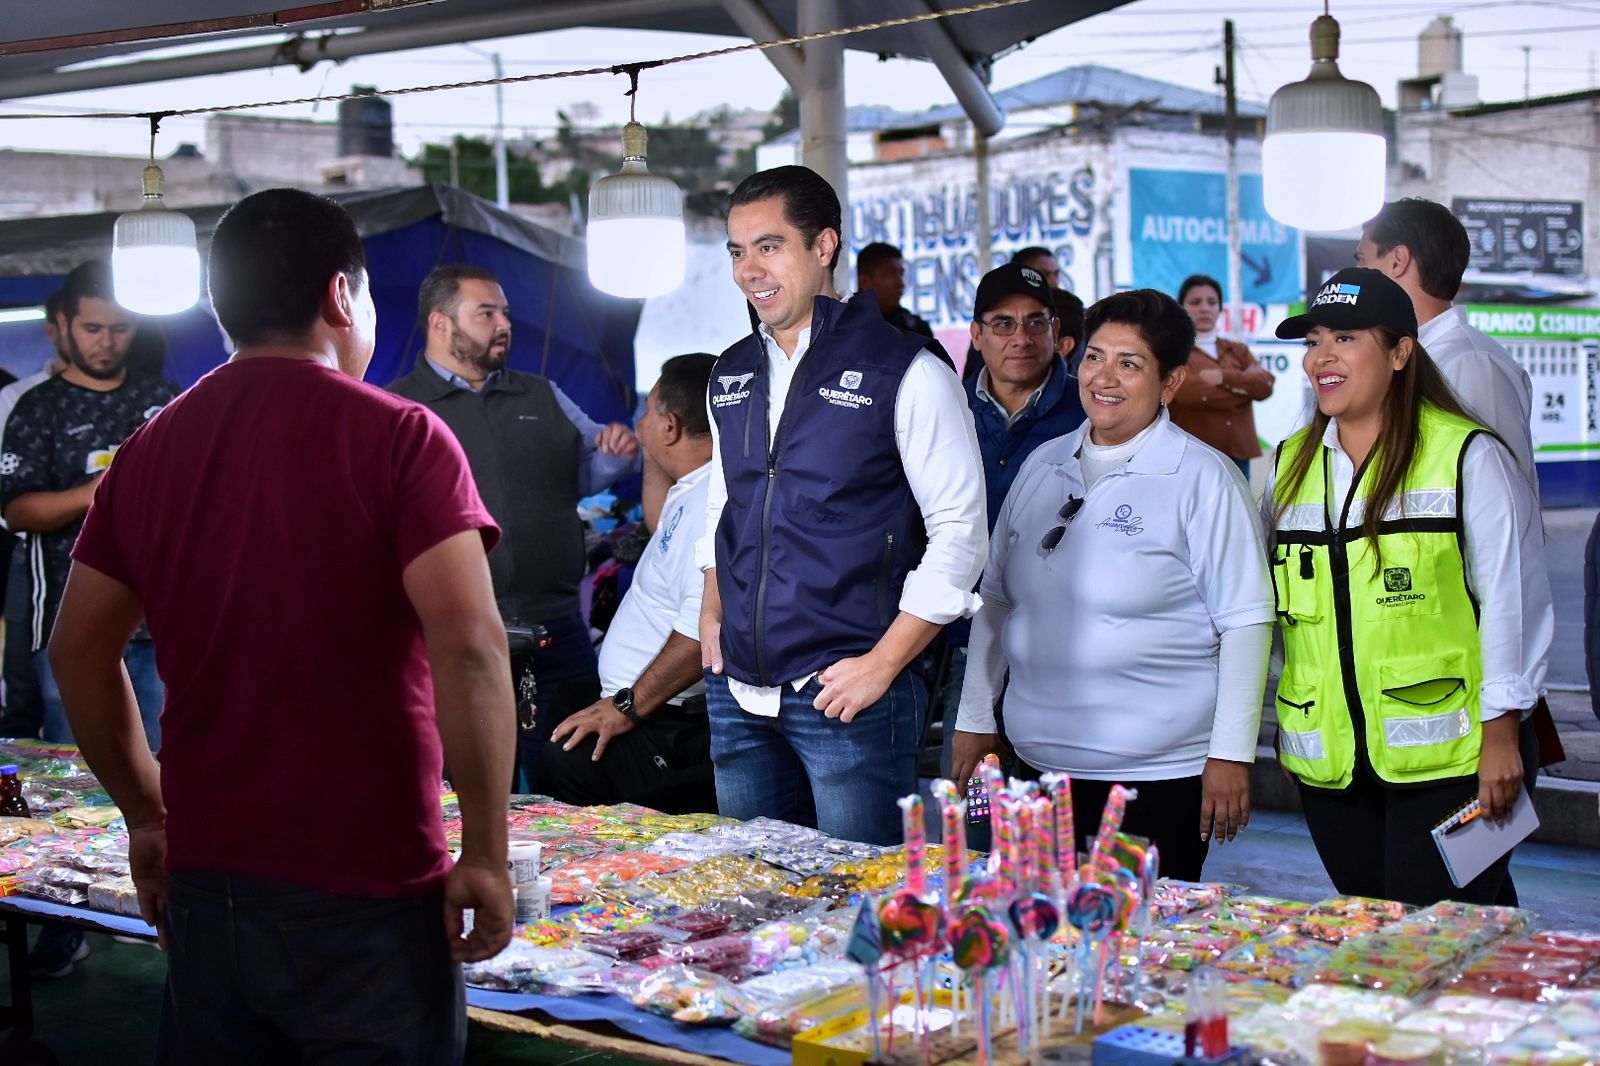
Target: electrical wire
pixel 631 69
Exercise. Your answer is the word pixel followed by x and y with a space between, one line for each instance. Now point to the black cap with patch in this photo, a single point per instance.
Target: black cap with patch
pixel 1355 298
pixel 1012 279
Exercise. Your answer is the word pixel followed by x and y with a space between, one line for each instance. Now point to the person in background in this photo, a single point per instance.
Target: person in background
pixel 1126 594
pixel 1069 335
pixel 1424 248
pixel 59 441
pixel 1224 379
pixel 1591 615
pixel 646 741
pixel 844 528
pixel 22 713
pixel 534 455
pixel 1021 397
pixel 1041 259
pixel 311 556
pixel 881 269
pixel 1409 576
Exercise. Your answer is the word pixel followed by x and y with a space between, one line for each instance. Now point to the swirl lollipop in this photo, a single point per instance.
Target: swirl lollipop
pixel 979 943
pixel 1092 910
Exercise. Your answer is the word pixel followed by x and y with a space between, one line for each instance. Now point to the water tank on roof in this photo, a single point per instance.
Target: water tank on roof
pixel 366 124
pixel 1438 48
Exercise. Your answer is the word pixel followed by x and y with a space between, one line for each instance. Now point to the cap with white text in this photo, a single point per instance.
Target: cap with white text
pixel 1355 298
pixel 1011 279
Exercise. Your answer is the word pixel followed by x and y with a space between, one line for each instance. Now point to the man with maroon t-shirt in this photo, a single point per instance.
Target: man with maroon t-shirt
pixel 304 549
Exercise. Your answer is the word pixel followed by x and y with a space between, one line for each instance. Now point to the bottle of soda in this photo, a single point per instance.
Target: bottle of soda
pixel 12 801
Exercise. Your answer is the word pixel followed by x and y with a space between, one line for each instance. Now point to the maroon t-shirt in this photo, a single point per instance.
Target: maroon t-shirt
pixel 264 519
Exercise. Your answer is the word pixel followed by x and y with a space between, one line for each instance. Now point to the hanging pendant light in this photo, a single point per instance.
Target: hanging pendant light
pixel 1324 159
pixel 635 232
pixel 155 260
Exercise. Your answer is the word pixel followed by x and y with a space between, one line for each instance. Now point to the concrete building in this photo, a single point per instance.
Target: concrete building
pixel 241 153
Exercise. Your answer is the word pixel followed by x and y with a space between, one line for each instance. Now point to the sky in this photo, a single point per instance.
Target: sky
pixel 1175 40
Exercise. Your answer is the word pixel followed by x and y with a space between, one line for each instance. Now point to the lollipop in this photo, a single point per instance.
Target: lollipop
pixel 1110 822
pixel 911 924
pixel 1092 909
pixel 866 947
pixel 953 814
pixel 979 943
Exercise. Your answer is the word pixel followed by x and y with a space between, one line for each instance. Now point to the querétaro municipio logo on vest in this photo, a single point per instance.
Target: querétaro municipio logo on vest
pixel 732 389
pixel 1397 582
pixel 845 395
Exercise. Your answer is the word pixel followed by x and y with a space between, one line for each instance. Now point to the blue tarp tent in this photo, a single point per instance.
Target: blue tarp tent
pixel 562 327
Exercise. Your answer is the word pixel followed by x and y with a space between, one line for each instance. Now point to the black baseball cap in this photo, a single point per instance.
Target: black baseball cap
pixel 1012 279
pixel 1355 298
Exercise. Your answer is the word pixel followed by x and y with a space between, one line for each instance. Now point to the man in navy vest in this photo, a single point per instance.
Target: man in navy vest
pixel 845 526
pixel 1021 396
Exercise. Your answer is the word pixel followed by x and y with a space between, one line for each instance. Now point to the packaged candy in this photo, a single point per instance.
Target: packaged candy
pixel 773 989
pixel 624 946
pixel 576 882
pixel 605 918
pixel 524 967
pixel 696 925
pixel 1171 898
pixel 1283 958
pixel 750 909
pixel 721 954
pixel 696 846
pixel 788 943
pixel 778 1024
pixel 116 896
pixel 683 994
pixel 546 932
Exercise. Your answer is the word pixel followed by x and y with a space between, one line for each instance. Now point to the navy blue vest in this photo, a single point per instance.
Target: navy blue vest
pixel 820 531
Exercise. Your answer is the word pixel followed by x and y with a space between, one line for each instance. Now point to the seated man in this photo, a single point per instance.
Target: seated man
pixel 647 740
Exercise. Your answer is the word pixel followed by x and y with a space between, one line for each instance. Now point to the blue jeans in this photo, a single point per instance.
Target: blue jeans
pixel 140 659
pixel 267 973
pixel 803 767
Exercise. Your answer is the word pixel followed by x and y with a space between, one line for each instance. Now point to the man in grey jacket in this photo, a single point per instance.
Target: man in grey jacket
pixel 534 455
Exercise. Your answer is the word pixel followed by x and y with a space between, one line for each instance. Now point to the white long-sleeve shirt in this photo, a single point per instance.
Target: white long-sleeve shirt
pixel 1495 389
pixel 938 448
pixel 1504 556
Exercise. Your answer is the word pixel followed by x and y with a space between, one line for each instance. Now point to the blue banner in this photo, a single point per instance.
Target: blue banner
pixel 1179 226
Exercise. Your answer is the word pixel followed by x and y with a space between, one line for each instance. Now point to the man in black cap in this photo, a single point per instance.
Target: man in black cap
pixel 1022 396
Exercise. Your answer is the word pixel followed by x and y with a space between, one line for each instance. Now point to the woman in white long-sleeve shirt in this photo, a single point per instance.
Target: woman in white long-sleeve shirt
pixel 1127 593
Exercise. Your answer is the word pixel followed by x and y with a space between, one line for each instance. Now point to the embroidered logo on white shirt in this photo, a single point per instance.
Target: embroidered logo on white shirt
pixel 1123 521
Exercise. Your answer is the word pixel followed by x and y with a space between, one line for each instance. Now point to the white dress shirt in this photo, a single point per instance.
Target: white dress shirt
pixel 1497 392
pixel 938 447
pixel 1504 559
pixel 1113 637
pixel 665 595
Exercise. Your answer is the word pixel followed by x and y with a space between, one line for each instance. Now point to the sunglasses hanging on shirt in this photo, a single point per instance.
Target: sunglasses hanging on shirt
pixel 1068 512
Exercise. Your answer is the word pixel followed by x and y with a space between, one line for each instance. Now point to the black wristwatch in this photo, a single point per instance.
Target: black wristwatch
pixel 622 700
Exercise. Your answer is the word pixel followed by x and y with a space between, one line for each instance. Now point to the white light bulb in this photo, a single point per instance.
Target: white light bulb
pixel 155 261
pixel 156 280
pixel 636 257
pixel 1323 180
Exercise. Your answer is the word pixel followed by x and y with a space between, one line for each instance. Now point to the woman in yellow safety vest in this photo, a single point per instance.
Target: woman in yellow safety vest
pixel 1412 601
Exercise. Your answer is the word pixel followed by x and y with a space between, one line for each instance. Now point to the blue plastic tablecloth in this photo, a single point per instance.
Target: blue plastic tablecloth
pixel 702 1040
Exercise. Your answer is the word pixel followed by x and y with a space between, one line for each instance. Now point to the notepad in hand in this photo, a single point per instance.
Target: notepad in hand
pixel 1471 843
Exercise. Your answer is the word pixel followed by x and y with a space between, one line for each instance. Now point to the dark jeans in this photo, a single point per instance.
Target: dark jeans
pixel 568 674
pixel 844 778
pixel 24 710
pixel 267 973
pixel 1167 812
pixel 664 764
pixel 1373 839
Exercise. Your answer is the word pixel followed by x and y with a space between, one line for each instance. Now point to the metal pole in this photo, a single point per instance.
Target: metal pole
pixel 980 156
pixel 822 115
pixel 1231 132
pixel 455 165
pixel 502 183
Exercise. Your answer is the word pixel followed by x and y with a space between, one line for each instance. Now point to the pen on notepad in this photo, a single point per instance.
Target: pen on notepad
pixel 1475 813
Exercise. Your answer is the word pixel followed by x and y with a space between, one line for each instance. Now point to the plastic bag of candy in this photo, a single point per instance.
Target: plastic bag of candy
pixel 778 1024
pixel 790 942
pixel 627 946
pixel 525 967
pixel 694 925
pixel 1282 958
pixel 1172 898
pixel 682 993
pixel 749 909
pixel 728 955
pixel 774 989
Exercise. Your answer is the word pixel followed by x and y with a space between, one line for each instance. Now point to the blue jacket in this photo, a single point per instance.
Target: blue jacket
pixel 1058 412
pixel 820 530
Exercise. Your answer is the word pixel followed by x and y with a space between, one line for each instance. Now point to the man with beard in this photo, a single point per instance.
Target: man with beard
pixel 534 455
pixel 59 440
